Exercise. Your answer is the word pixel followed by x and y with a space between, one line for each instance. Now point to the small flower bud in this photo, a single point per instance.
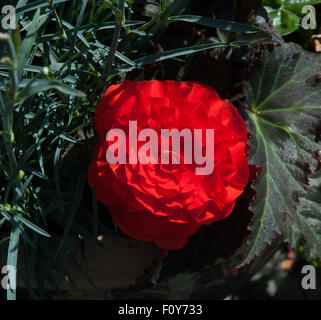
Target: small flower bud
pixel 45 70
pixel 6 61
pixel 4 36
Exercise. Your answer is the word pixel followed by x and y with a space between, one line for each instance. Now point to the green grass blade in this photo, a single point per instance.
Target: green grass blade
pixel 216 23
pixel 43 85
pixel 28 42
pixel 12 257
pixel 32 226
pixel 187 50
pixel 80 185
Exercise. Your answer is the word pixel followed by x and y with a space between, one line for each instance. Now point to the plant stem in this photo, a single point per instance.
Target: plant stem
pixel 114 43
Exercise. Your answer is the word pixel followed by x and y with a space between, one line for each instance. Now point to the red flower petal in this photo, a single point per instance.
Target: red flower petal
pixel 167 204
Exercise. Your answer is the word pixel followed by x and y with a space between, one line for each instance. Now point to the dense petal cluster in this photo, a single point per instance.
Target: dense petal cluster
pixel 167 203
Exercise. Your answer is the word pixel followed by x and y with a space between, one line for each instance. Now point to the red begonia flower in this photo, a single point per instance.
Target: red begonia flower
pixel 167 203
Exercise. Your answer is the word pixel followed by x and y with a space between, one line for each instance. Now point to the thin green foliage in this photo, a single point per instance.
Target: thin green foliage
pixel 53 70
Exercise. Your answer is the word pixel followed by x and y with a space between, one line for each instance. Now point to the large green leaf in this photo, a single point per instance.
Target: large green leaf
pixel 284 114
pixel 306 225
pixel 287 14
pixel 285 21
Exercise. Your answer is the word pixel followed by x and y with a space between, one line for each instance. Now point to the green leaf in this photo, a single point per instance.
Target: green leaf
pixel 37 5
pixel 80 185
pixel 176 6
pixel 285 111
pixel 87 28
pixel 306 224
pixel 297 5
pixel 285 21
pixel 32 226
pixel 292 5
pixel 2 221
pixel 29 41
pixel 38 86
pixel 180 52
pixel 216 23
pixel 12 257
pixel 287 14
pixel 2 241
